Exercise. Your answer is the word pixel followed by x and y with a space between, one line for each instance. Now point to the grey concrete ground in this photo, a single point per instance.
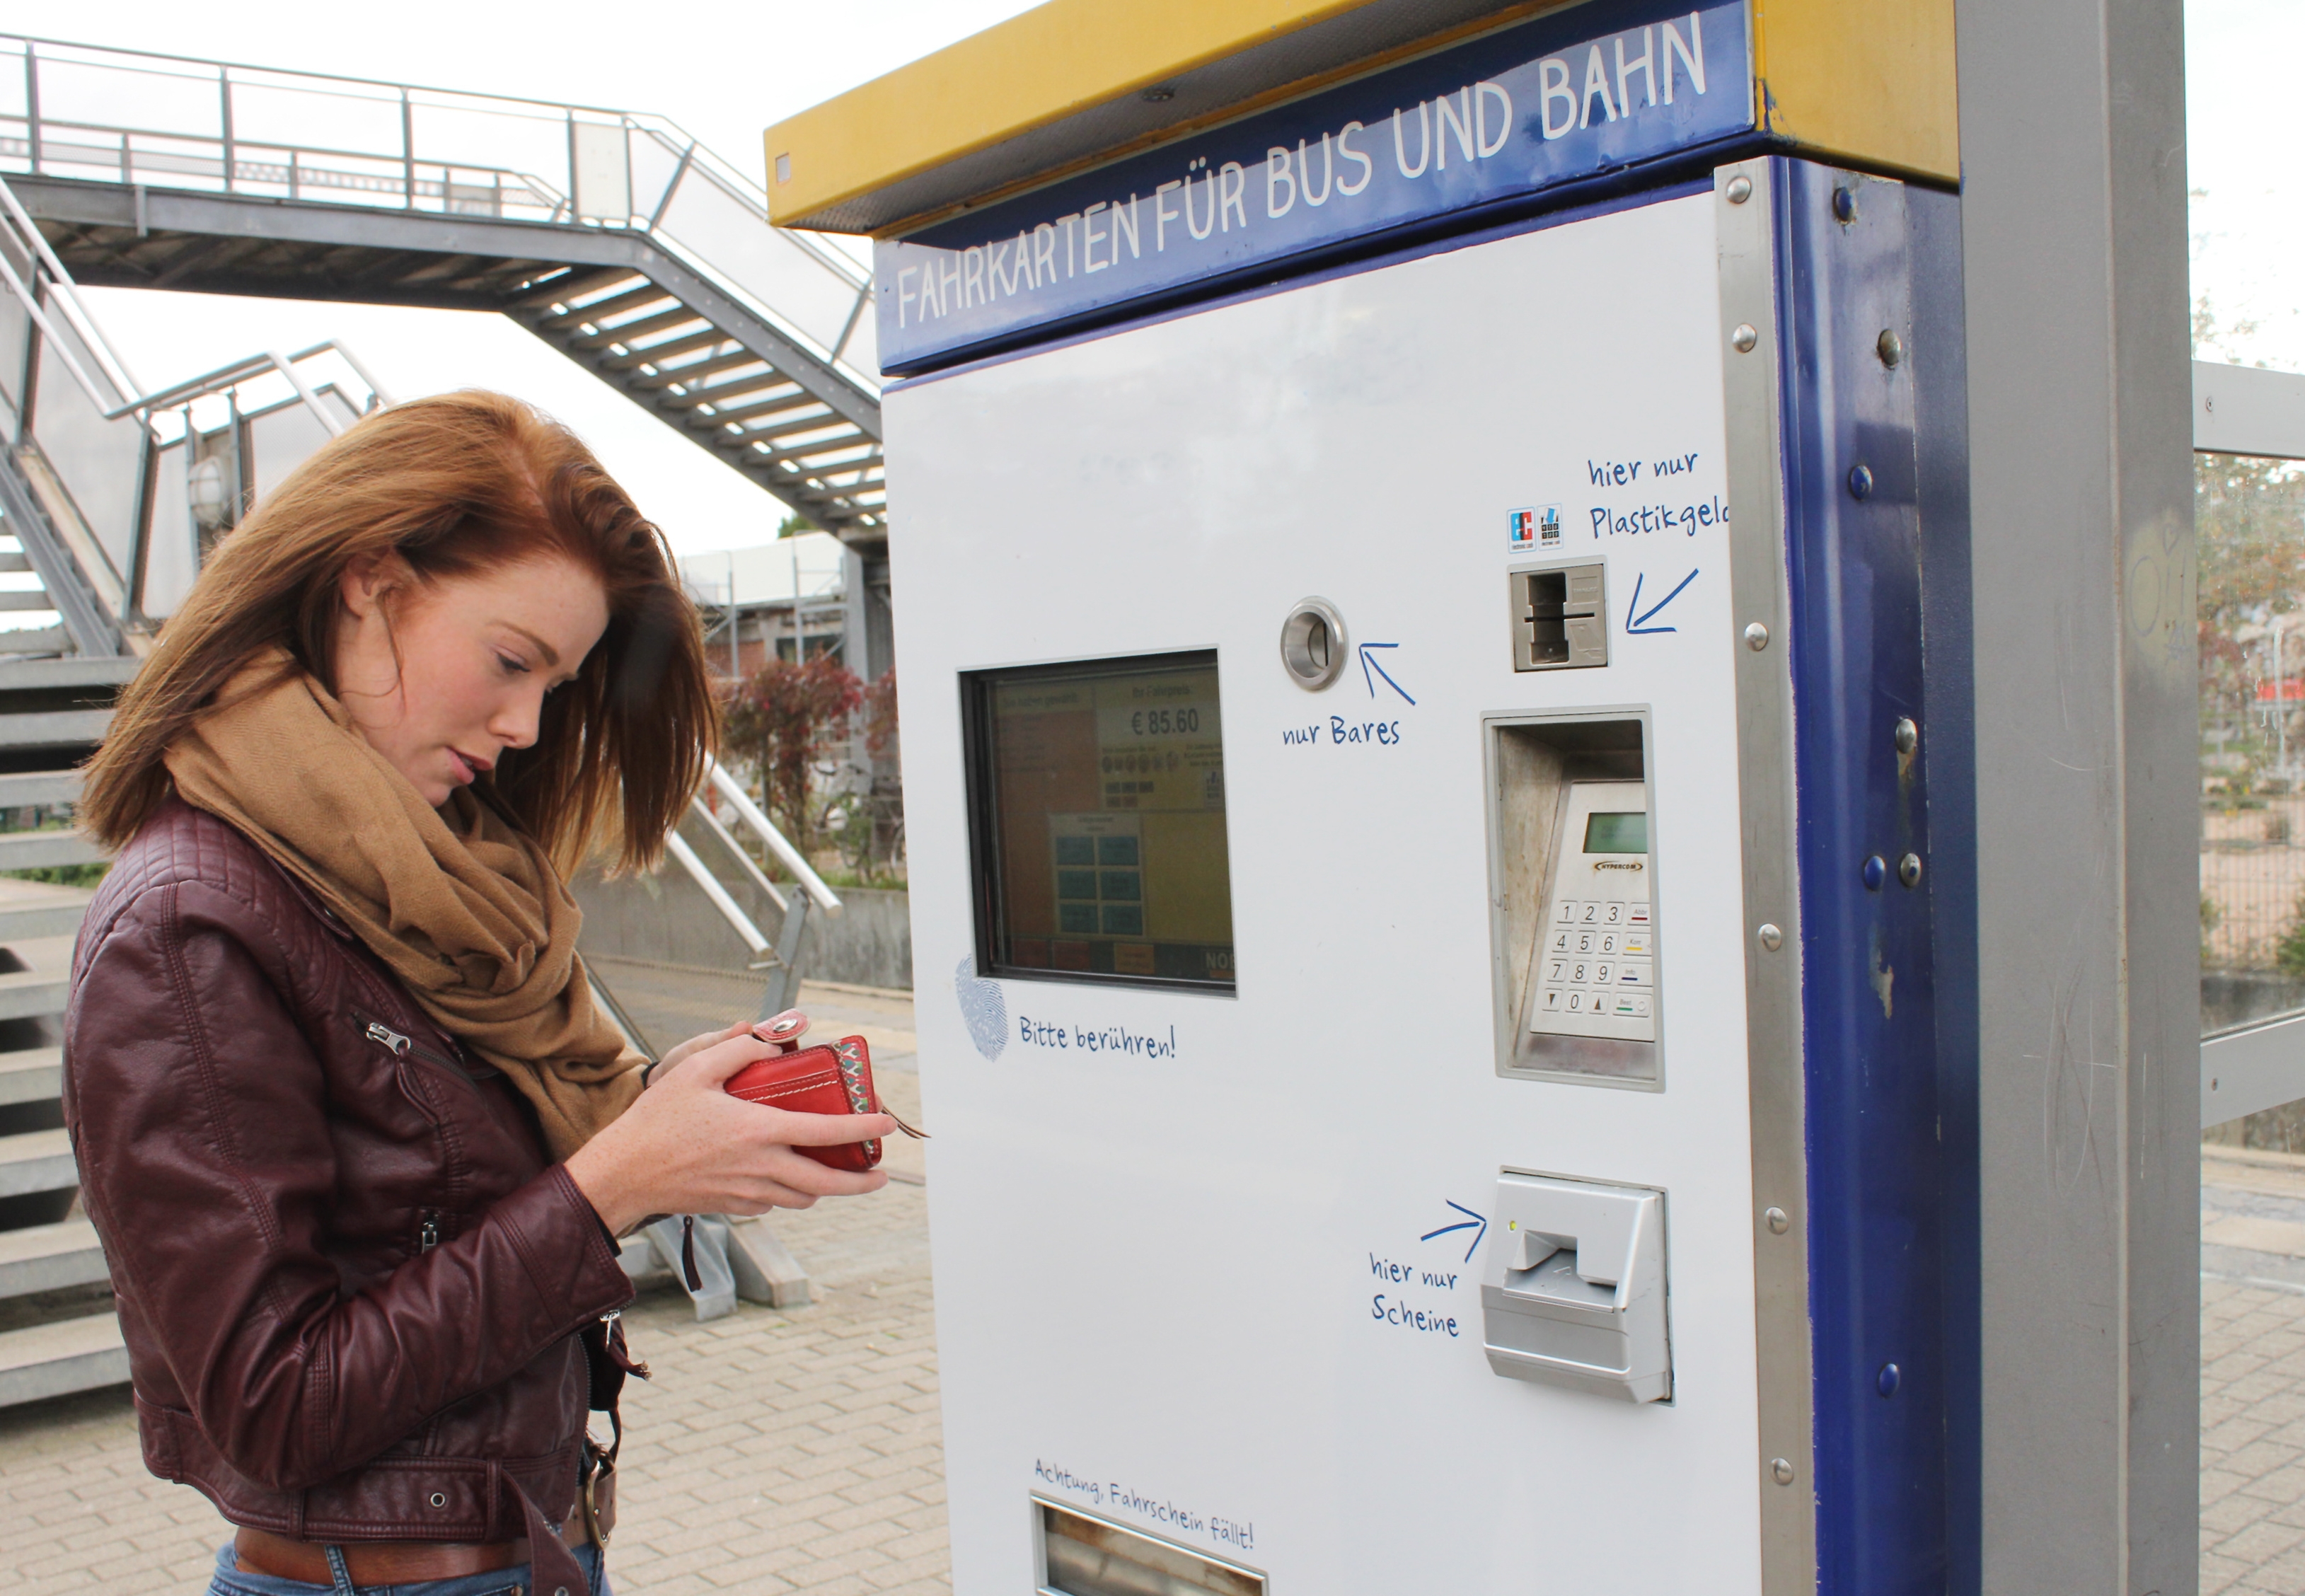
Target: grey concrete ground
pixel 801 1450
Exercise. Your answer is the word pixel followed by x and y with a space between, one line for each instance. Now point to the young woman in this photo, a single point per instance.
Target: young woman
pixel 354 1135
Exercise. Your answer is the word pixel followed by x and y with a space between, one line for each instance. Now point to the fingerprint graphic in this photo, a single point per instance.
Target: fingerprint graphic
pixel 983 1006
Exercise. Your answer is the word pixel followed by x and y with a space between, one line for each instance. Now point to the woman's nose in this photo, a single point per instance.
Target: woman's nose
pixel 514 723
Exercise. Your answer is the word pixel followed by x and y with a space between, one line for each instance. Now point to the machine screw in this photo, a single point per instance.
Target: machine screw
pixel 1778 1223
pixel 1875 872
pixel 1860 481
pixel 1770 937
pixel 1740 190
pixel 1756 637
pixel 1889 347
pixel 1744 337
pixel 1844 204
pixel 1781 1470
pixel 1909 735
pixel 1908 869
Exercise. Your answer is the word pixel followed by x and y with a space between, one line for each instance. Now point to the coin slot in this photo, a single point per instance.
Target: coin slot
pixel 1312 645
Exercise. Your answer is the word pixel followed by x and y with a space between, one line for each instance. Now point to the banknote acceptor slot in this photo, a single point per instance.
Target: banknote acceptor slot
pixel 1575 1289
pixel 1573 896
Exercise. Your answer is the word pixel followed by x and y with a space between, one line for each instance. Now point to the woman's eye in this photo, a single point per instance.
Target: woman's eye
pixel 513 668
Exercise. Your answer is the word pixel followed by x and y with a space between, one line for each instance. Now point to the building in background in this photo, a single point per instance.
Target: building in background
pixel 795 598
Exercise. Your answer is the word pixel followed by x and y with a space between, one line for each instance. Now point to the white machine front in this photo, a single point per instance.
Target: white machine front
pixel 1258 1027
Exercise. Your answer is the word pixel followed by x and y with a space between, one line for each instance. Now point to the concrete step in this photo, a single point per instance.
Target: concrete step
pixel 51 728
pixel 32 1075
pixel 77 670
pixel 49 1258
pixel 37 1161
pixel 27 994
pixel 39 786
pixel 22 922
pixel 27 849
pixel 52 1360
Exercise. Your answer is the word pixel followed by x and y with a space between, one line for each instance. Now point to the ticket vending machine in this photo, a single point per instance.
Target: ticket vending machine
pixel 1409 538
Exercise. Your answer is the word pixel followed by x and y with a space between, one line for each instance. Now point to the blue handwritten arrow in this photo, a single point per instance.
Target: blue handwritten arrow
pixel 1368 665
pixel 1637 624
pixel 1468 1222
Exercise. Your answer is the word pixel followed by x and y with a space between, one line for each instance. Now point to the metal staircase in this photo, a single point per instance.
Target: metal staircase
pixel 613 236
pixel 107 495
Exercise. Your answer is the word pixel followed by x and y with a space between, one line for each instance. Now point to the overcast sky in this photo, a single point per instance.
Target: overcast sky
pixel 726 71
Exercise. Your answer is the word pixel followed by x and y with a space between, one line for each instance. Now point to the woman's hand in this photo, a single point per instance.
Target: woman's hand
pixel 696 1044
pixel 687 1147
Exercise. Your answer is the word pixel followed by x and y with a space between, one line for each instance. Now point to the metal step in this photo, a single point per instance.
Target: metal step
pixel 33 850
pixel 36 639
pixel 23 922
pixel 49 1258
pixel 39 786
pixel 37 1161
pixel 52 1360
pixel 32 598
pixel 53 728
pixel 13 560
pixel 31 1075
pixel 77 670
pixel 26 994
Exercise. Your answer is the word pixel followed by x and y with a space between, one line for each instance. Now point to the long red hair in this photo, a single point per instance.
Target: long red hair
pixel 453 485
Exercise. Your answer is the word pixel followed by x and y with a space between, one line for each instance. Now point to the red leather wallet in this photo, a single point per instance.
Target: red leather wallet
pixel 835 1078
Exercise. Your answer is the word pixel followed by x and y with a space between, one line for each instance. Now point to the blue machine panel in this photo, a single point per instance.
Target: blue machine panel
pixel 1548 102
pixel 1876 1153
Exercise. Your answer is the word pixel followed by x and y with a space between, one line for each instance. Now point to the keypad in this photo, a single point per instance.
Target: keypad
pixel 1600 960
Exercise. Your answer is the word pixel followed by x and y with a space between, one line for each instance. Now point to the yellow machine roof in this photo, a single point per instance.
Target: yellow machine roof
pixel 1074 82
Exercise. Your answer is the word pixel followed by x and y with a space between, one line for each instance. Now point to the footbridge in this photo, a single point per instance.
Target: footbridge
pixel 616 237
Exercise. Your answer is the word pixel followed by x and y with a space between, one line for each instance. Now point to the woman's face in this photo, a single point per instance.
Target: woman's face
pixel 476 655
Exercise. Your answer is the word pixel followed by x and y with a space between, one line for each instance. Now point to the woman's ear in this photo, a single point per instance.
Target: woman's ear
pixel 367 580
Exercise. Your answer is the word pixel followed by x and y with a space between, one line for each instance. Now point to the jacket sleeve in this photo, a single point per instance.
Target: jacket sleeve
pixel 199 1117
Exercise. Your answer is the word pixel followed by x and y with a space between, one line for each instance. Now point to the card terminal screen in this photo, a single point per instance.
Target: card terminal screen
pixel 1617 834
pixel 1100 801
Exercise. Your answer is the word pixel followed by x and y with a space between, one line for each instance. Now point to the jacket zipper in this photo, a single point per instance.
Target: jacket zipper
pixel 428 1233
pixel 402 1047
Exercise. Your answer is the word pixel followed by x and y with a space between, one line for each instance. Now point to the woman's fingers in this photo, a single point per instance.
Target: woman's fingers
pixel 825 1130
pixel 712 1067
pixel 697 1044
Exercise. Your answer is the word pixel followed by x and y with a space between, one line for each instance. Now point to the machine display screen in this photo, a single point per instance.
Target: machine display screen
pixel 1618 833
pixel 1099 822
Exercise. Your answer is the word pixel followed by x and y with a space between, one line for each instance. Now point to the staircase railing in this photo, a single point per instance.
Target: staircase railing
pixel 780 959
pixel 90 450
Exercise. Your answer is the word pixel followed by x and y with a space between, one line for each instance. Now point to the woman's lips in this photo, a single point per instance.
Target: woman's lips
pixel 464 766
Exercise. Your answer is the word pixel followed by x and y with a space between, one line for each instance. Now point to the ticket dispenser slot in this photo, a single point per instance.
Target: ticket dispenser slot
pixel 1574 886
pixel 1575 1289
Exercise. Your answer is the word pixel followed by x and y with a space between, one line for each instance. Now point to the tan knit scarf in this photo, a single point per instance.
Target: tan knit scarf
pixel 466 910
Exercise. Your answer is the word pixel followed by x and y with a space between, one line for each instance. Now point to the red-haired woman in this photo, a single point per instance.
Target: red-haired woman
pixel 354 1135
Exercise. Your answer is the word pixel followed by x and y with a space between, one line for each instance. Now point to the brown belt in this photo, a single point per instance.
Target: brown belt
pixel 386 1562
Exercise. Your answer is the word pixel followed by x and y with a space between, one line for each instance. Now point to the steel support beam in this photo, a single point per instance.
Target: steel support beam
pixel 2087 953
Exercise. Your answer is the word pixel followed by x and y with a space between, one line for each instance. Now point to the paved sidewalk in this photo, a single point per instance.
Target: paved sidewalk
pixel 801 1451
pixel 2252 1372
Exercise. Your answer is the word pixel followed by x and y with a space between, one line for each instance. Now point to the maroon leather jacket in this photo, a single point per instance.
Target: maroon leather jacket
pixel 351 1279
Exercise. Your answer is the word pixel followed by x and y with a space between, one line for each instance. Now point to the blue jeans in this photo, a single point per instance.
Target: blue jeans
pixel 505 1581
